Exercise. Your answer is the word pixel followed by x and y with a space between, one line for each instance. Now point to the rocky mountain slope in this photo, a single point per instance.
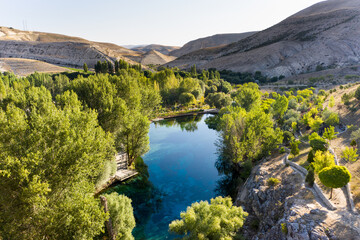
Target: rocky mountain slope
pixel 155 58
pixel 326 34
pixel 212 41
pixel 290 210
pixel 59 49
pixel 159 48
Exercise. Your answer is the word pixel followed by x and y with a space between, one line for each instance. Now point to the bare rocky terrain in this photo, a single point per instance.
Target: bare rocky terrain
pixel 159 48
pixel 290 210
pixel 324 35
pixel 208 42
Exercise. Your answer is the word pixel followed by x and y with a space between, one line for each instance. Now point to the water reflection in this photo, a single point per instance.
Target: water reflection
pixel 187 123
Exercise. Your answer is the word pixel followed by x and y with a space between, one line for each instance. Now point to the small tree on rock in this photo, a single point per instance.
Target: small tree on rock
pixel 334 177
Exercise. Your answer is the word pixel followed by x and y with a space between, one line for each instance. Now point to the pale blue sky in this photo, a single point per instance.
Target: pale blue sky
pixel 168 22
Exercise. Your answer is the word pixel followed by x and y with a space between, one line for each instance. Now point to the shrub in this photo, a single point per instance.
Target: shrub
pixel 311 155
pixel 357 93
pixel 284 228
pixel 317 143
pixel 295 148
pixel 273 181
pixel 323 160
pixel 310 176
pixel 282 150
pixel 350 154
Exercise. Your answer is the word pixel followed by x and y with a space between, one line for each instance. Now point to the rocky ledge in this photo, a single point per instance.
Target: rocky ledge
pixel 288 209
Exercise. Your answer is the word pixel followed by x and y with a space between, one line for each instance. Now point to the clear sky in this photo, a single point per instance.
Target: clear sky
pixel 167 22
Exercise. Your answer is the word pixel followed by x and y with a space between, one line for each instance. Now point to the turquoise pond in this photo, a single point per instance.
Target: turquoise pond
pixel 181 170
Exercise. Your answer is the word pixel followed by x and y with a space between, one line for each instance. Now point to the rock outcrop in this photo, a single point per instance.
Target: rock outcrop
pixel 326 35
pixel 159 48
pixel 155 58
pixel 290 210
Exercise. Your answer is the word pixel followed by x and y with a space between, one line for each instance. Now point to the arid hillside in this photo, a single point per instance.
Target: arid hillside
pixel 159 48
pixel 212 41
pixel 325 35
pixel 59 49
pixel 155 58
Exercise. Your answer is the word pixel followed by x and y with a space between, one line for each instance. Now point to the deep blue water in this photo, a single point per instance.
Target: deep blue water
pixel 181 168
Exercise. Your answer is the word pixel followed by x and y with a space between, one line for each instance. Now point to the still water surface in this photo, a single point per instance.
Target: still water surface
pixel 181 170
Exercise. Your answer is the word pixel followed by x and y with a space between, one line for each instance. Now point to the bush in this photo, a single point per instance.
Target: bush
pixel 317 143
pixel 187 98
pixel 284 228
pixel 273 181
pixel 310 176
pixel 311 155
pixel 357 93
pixel 282 150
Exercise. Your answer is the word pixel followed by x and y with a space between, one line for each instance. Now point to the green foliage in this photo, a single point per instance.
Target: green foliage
pixel 280 106
pixel 353 143
pixel 51 158
pixel 284 228
pixel 350 154
pixel 317 143
pixel 311 155
pixel 187 99
pixel 335 176
pixel 248 135
pixel 217 220
pixel 248 96
pixel 121 214
pixel 272 182
pixel 322 160
pixel 310 176
pixel 332 102
pixel 219 100
pixel 330 118
pixel 315 123
pixel 330 133
pixel 357 93
pixel 295 147
pixel 85 67
pixel 282 150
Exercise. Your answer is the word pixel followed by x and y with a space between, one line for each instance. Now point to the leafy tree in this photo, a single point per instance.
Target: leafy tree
pixel 332 102
pixel 311 155
pixel 330 118
pixel 187 99
pixel 248 135
pixel 350 154
pixel 357 93
pixel 2 90
pixel 334 177
pixel 121 215
pixel 295 148
pixel 280 106
pixel 323 160
pixel 317 142
pixel 310 176
pixel 288 137
pixel 219 100
pixel 315 123
pixel 217 220
pixel 193 71
pixel 248 96
pixel 98 67
pixel 294 126
pixel 85 67
pixel 51 158
pixel 330 133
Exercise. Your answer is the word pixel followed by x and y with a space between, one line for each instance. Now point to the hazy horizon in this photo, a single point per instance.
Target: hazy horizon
pixel 141 22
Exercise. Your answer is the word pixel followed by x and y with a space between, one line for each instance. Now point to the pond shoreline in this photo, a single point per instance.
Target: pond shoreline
pixel 206 111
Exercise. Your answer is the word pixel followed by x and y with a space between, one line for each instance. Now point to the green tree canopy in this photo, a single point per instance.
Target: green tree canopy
pixel 322 160
pixel 217 220
pixel 334 177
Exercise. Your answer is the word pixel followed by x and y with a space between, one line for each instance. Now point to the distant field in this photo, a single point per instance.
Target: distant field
pixel 24 67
